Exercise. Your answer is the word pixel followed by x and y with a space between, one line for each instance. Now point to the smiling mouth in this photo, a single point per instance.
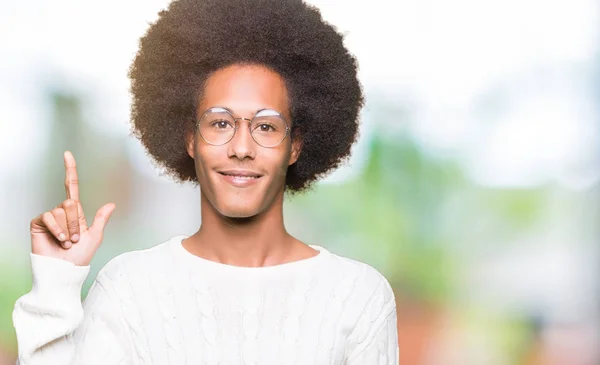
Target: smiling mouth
pixel 247 177
pixel 240 174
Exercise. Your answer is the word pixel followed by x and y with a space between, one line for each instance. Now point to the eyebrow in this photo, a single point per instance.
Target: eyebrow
pixel 232 112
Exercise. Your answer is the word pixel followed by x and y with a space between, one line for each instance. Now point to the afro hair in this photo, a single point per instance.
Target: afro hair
pixel 193 38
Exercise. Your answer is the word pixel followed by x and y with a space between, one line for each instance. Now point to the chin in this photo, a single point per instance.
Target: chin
pixel 239 210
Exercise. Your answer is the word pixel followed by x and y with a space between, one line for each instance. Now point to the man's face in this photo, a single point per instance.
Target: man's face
pixel 244 90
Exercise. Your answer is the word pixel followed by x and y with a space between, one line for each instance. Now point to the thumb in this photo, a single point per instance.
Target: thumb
pixel 101 219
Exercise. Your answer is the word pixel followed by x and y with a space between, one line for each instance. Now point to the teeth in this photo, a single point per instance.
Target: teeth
pixel 243 177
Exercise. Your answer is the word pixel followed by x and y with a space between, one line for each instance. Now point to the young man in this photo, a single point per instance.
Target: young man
pixel 248 99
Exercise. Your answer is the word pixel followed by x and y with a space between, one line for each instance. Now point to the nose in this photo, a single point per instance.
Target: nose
pixel 242 145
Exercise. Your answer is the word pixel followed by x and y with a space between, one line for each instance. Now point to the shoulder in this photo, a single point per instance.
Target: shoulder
pixel 368 280
pixel 363 288
pixel 134 265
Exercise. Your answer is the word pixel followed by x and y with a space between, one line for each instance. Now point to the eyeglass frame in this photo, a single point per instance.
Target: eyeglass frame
pixel 235 121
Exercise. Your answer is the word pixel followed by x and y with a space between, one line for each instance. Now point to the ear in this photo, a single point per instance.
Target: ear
pixel 189 143
pixel 296 149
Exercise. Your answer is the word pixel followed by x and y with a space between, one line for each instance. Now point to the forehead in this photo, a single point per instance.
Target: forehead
pixel 245 89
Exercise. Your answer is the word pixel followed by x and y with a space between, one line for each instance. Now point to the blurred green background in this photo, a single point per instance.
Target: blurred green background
pixel 474 187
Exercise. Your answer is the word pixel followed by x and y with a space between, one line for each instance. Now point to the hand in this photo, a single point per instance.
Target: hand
pixel 63 233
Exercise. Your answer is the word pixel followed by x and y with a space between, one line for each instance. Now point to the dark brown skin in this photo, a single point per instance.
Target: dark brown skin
pixel 243 226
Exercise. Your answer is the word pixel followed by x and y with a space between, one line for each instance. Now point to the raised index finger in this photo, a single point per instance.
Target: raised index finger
pixel 71 180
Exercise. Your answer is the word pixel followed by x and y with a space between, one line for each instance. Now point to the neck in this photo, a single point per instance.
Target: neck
pixel 261 240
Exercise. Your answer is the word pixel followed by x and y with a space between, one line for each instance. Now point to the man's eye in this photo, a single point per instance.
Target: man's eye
pixel 220 124
pixel 266 128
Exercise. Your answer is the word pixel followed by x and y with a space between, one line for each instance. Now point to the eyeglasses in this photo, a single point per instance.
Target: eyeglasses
pixel 217 126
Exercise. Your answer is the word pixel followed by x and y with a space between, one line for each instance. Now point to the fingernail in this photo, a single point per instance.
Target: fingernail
pixel 67 244
pixel 75 237
pixel 62 236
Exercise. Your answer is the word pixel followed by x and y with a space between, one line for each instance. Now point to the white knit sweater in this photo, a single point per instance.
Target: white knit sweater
pixel 164 305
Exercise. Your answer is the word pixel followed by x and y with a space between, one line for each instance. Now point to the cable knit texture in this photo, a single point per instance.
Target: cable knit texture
pixel 164 305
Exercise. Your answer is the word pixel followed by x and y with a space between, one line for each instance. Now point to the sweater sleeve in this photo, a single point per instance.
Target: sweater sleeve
pixel 374 340
pixel 54 327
